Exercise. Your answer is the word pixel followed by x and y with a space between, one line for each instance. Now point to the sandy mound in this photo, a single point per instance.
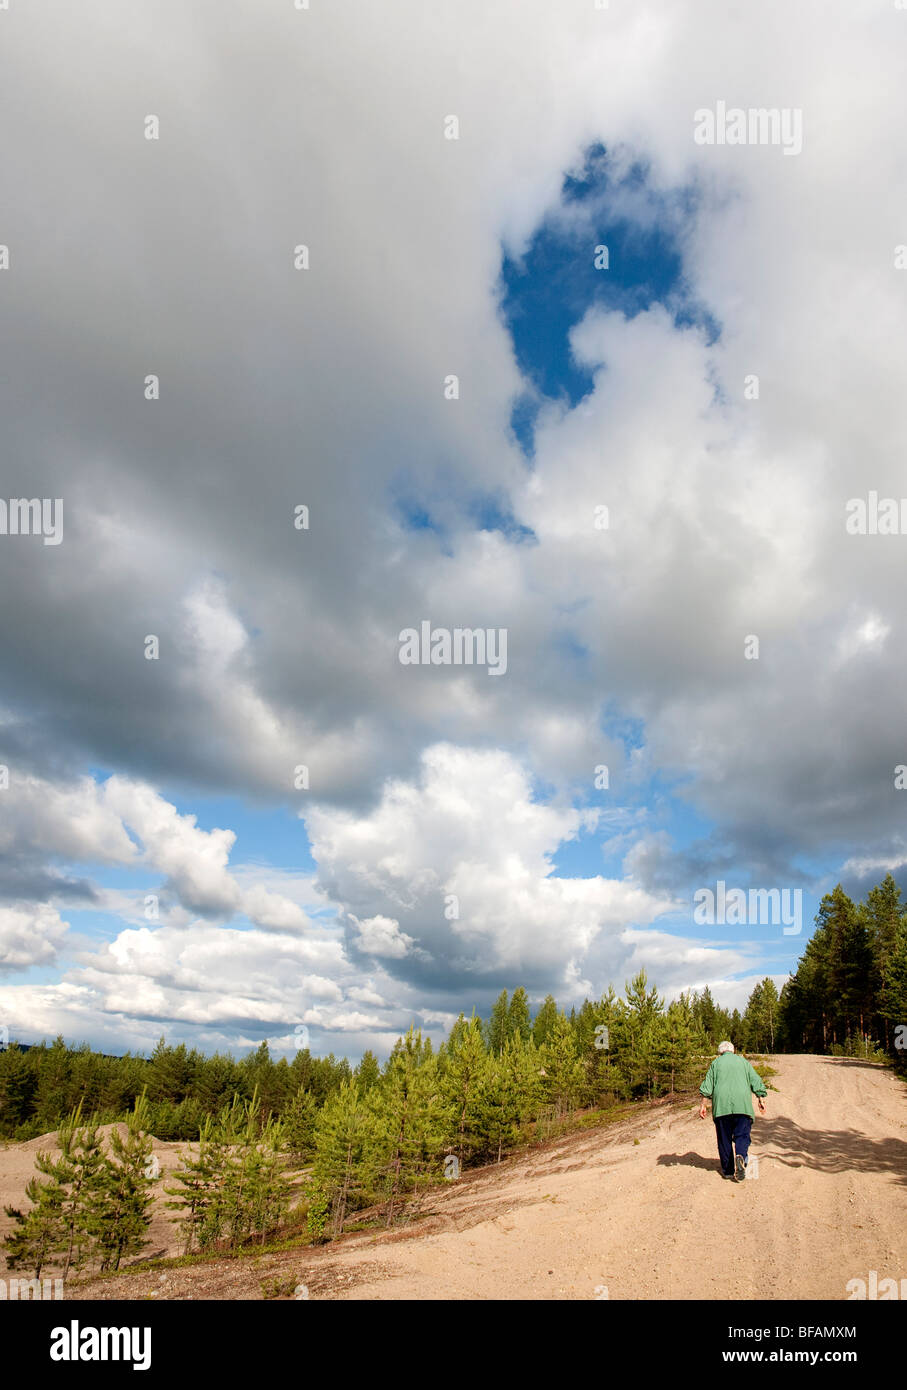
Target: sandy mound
pixel 17 1165
pixel 50 1141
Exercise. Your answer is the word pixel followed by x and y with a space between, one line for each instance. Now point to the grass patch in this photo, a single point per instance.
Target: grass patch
pixel 296 1240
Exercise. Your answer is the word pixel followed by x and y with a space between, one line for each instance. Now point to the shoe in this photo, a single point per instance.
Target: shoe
pixel 728 1177
pixel 740 1168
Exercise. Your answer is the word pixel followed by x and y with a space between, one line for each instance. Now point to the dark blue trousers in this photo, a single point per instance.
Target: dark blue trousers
pixel 733 1133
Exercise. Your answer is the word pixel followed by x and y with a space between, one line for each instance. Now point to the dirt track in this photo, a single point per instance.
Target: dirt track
pixel 639 1209
pixel 654 1218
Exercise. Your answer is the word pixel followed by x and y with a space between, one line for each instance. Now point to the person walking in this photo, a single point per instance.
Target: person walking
pixel 730 1083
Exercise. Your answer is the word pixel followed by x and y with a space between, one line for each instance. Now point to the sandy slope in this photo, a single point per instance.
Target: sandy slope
pixel 654 1219
pixel 639 1209
pixel 17 1165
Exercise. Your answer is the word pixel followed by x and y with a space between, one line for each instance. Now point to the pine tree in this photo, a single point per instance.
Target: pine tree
pixel 259 1077
pixel 299 1124
pixel 604 1074
pixel 17 1088
pixel 368 1072
pixel 737 1035
pixel 233 1188
pixel 544 1020
pixel 86 1078
pixel 410 1120
pixel 706 1016
pixel 200 1186
pixel 884 913
pixel 752 1019
pixel 834 998
pixel 893 995
pixel 583 1025
pixel 256 1192
pixel 58 1220
pixel 643 1015
pixel 806 996
pixel 345 1156
pixel 39 1233
pixel 118 1215
pixel 499 1025
pixel 564 1072
pixel 525 1062
pixel 216 1081
pixel 462 1070
pixel 518 1021
pixel 81 1162
pixel 852 965
pixel 761 1017
pixel 677 1043
pixel 508 1094
pixel 169 1075
pixel 52 1098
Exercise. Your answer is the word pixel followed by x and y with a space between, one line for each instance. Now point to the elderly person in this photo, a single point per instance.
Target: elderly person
pixel 730 1083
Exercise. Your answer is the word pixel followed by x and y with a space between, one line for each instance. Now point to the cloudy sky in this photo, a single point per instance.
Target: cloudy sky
pixel 348 258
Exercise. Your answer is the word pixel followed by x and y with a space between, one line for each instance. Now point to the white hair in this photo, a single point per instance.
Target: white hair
pixel 726 1047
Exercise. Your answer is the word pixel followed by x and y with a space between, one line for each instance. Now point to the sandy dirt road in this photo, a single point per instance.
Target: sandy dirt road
pixel 643 1211
pixel 639 1209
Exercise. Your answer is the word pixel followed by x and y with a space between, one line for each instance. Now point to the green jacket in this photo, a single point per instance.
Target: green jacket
pixel 729 1081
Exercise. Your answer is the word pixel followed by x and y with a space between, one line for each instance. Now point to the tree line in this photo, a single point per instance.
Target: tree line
pixel 644 1046
pixel 849 991
pixel 42 1085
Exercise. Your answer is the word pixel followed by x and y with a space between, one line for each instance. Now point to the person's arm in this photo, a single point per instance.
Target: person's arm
pixel 705 1090
pixel 757 1086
